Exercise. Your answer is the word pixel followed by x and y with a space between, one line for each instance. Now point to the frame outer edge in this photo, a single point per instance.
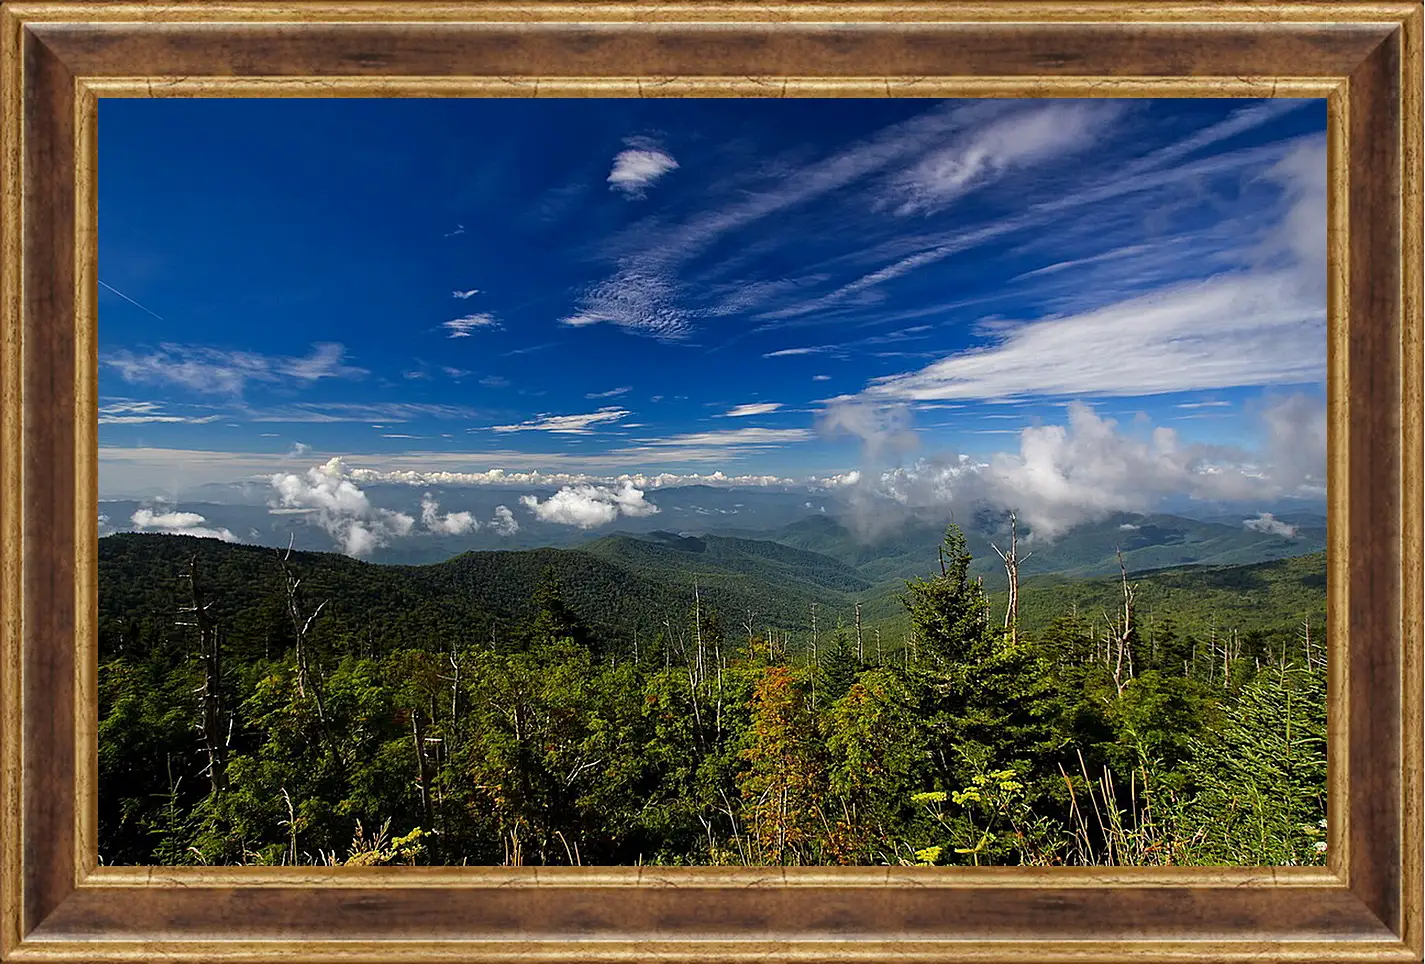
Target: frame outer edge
pixel 12 624
pixel 48 845
pixel 11 487
pixel 1413 471
pixel 691 11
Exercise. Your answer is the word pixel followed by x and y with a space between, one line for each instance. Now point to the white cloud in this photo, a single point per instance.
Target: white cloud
pixel 1063 475
pixel 1149 173
pixel 636 169
pixel 504 522
pixel 1269 524
pixel 462 295
pixel 298 450
pixel 611 393
pixel 589 506
pixel 786 352
pixel 821 378
pixel 129 412
pixel 736 436
pixel 450 524
pixel 566 424
pixel 643 294
pixel 1018 139
pixel 340 507
pixel 359 412
pixel 217 371
pixel 645 300
pixel 883 429
pixel 501 477
pixel 176 523
pixel 751 408
pixel 462 327
pixel 1237 329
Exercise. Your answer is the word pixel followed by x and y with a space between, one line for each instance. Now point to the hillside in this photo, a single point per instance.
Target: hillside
pixel 624 587
pixel 904 550
pixel 1260 596
pixel 619 586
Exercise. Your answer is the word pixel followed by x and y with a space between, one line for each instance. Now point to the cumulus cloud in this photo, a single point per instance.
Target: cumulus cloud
pixel 338 505
pixel 177 524
pixel 589 506
pixel 638 167
pixel 1269 524
pixel 450 524
pixel 504 522
pixel 1089 468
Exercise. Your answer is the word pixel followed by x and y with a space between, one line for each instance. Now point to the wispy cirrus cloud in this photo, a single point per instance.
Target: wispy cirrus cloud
pixel 462 327
pixel 1019 138
pixel 751 408
pixel 581 424
pixel 733 437
pixel 358 412
pixel 611 393
pixel 1260 324
pixel 130 412
pixel 645 295
pixel 646 301
pixel 224 372
pixel 1220 333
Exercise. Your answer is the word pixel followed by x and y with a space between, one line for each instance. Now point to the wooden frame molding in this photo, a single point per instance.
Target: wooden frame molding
pixel 58 58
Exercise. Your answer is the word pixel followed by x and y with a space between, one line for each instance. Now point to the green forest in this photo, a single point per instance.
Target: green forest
pixel 607 705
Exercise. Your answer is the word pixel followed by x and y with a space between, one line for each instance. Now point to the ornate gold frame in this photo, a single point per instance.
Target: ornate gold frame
pixel 57 58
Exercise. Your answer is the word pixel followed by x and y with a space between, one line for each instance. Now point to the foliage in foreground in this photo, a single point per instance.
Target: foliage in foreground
pixel 267 739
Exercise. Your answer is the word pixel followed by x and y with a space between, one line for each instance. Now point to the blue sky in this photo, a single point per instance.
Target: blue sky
pixel 786 288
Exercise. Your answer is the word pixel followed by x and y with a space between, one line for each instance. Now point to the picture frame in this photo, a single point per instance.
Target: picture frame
pixel 58 58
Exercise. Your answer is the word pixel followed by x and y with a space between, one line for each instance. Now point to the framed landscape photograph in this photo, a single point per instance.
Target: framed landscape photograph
pixel 537 482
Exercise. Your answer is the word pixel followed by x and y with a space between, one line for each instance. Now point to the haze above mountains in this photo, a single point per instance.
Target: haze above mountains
pixel 859 532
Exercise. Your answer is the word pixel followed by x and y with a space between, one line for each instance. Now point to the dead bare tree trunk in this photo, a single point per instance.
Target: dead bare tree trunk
pixel 214 723
pixel 418 734
pixel 1011 567
pixel 813 656
pixel 860 650
pixel 302 622
pixel 1125 630
pixel 698 628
